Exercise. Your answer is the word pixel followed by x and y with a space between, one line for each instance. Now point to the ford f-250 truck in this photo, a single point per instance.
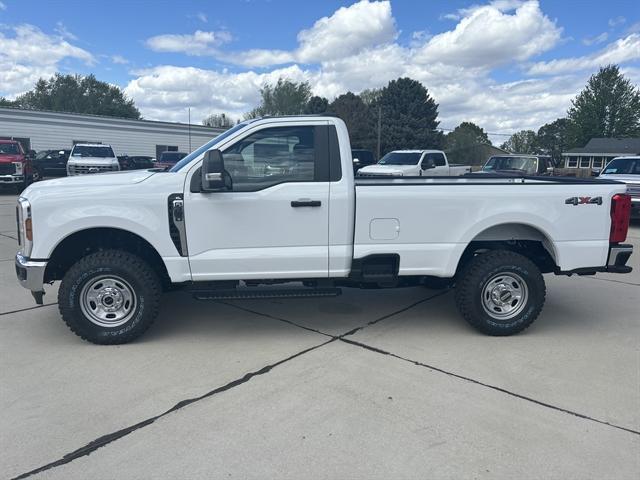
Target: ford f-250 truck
pixel 274 201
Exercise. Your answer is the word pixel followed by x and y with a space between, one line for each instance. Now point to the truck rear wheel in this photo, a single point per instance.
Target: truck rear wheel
pixel 109 297
pixel 500 292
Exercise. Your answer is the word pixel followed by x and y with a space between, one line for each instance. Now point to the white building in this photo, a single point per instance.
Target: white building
pixel 600 151
pixel 43 130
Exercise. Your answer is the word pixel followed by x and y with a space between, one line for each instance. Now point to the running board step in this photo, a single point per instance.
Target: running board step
pixel 257 292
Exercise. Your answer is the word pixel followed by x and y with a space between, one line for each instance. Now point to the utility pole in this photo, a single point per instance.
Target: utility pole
pixel 379 128
pixel 189 129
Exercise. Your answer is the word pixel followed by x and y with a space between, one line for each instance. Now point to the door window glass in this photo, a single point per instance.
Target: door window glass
pixel 438 159
pixel 272 156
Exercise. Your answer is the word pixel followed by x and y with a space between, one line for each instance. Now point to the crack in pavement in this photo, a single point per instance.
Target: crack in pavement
pixel 112 437
pixel 28 308
pixel 350 332
pixel 488 385
pixel 611 280
pixel 9 236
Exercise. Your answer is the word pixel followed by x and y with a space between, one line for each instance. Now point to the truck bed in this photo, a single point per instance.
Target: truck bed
pixel 429 221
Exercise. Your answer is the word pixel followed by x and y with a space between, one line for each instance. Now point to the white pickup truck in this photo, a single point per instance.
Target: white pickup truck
pixel 414 163
pixel 274 201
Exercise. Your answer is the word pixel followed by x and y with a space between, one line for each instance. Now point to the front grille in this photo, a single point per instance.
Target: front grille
pixel 86 169
pixel 7 169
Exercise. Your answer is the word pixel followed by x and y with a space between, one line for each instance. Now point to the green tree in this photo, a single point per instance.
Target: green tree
pixel 220 120
pixel 4 102
pixel 409 116
pixel 371 96
pixel 467 143
pixel 609 106
pixel 316 105
pixel 350 108
pixel 78 94
pixel 466 135
pixel 553 138
pixel 284 98
pixel 524 141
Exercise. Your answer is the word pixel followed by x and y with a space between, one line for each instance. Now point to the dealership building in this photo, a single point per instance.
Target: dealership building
pixel 43 130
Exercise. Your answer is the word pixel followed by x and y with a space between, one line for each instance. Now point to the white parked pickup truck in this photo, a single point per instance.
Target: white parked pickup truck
pixel 271 208
pixel 626 170
pixel 414 163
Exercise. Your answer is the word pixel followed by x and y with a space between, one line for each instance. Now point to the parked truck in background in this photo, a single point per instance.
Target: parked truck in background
pixel 274 201
pixel 16 165
pixel 515 164
pixel 414 163
pixel 626 170
pixel 88 158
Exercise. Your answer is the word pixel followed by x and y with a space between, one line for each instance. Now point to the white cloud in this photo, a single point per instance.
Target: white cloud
pixel 455 66
pixel 614 22
pixel 622 50
pixel 2 6
pixel 598 39
pixel 119 60
pixel 202 17
pixel 198 43
pixel 29 54
pixel 488 37
pixel 64 32
pixel 348 31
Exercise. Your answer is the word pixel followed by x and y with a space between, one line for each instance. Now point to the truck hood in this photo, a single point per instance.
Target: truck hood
pixel 398 170
pixel 97 179
pixel 621 178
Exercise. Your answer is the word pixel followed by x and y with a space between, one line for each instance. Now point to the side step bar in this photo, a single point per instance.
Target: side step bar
pixel 257 292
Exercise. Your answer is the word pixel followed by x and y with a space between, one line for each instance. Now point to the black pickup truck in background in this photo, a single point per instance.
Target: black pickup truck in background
pixel 51 163
pixel 515 164
pixel 362 158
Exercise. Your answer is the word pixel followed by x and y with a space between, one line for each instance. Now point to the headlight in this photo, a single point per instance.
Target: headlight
pixel 18 166
pixel 25 226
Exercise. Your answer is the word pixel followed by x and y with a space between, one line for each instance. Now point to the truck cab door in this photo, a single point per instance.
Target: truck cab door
pixel 272 219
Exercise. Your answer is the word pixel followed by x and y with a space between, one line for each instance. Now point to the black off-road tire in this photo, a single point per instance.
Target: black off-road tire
pixel 142 279
pixel 477 274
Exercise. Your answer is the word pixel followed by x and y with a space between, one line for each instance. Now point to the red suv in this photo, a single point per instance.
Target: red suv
pixel 16 166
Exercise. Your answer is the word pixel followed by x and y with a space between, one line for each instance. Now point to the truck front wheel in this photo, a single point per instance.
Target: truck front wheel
pixel 500 292
pixel 109 297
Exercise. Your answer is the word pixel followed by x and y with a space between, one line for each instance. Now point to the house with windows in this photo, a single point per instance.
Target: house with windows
pixel 598 152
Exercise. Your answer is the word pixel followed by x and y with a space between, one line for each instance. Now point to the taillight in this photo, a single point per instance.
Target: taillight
pixel 620 214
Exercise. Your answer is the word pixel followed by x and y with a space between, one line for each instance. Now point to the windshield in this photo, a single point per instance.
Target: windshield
pixel 527 164
pixel 623 166
pixel 401 158
pixel 9 149
pixel 87 151
pixel 207 146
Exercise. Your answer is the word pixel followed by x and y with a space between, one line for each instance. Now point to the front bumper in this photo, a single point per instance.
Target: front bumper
pixel 11 178
pixel 30 274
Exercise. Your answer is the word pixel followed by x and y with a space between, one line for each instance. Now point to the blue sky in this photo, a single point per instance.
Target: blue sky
pixel 506 64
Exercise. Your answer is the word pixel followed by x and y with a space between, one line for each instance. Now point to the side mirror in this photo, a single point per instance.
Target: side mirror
pixel 212 172
pixel 61 152
pixel 427 164
pixel 356 161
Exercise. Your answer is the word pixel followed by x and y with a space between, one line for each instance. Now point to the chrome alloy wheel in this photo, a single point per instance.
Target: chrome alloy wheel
pixel 108 301
pixel 504 296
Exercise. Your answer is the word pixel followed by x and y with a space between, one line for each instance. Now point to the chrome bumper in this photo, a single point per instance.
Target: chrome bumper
pixel 31 275
pixel 11 178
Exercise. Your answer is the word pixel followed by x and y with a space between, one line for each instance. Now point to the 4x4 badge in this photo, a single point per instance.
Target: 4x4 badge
pixel 583 200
